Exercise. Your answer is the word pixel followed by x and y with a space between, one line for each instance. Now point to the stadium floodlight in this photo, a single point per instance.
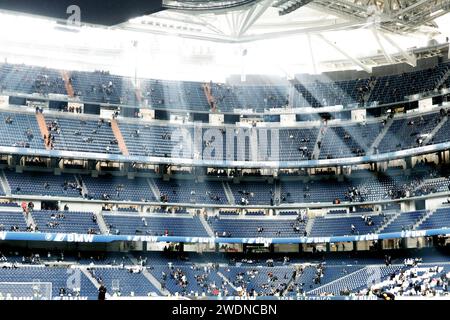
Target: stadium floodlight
pixel 290 6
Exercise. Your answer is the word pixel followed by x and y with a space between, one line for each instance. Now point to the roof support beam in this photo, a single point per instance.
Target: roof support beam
pixel 344 53
pixel 311 53
pixel 377 37
pixel 251 18
pixel 411 59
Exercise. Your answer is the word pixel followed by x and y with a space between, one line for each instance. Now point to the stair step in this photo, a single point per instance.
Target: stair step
pixel 118 135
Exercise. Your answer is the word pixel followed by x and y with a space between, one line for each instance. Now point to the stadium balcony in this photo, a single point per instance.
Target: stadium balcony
pixel 136 141
pixel 308 90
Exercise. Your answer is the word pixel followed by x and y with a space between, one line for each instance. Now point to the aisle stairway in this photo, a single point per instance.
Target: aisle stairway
pixel 118 135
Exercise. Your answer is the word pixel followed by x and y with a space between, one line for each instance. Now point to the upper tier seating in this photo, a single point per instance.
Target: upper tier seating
pixel 348 141
pixel 146 140
pixel 102 87
pixel 404 133
pixel 73 134
pixel 20 130
pixel 395 88
pixel 182 95
pixel 258 98
pixel 310 90
pixel 30 79
pixel 297 144
pixel 319 91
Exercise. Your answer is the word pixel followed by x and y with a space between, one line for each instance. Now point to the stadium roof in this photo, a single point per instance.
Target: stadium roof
pixel 300 36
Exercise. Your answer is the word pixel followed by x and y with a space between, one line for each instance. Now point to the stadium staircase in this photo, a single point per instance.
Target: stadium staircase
pixel 228 193
pixel 92 279
pixel 101 223
pixel 150 277
pixel 423 219
pixel 206 226
pixel 29 219
pixel 209 96
pixel 138 92
pixel 277 191
pixel 154 188
pixel 443 79
pixel 322 132
pixel 42 127
pixel 435 130
pixel 380 137
pixel 118 135
pixel 309 226
pixel 69 89
pixel 391 219
pixel 227 281
pixel 4 184
pixel 290 282
pixel 366 97
pixel 84 189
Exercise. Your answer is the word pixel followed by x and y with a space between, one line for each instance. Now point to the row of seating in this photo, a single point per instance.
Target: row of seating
pixel 96 136
pixel 32 279
pixel 367 186
pixel 186 225
pixel 309 90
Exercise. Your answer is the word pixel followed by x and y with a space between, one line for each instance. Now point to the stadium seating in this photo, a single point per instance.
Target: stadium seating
pixel 118 188
pixel 404 221
pixel 122 282
pixel 65 221
pixel 155 225
pixel 271 228
pixel 342 226
pixel 404 133
pixel 357 280
pixel 186 191
pixel 438 219
pixel 12 219
pixel 74 282
pixel 20 130
pixel 256 97
pixel 310 90
pixel 164 94
pixel 30 79
pixel 348 141
pixel 83 135
pixel 42 184
pixel 102 87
